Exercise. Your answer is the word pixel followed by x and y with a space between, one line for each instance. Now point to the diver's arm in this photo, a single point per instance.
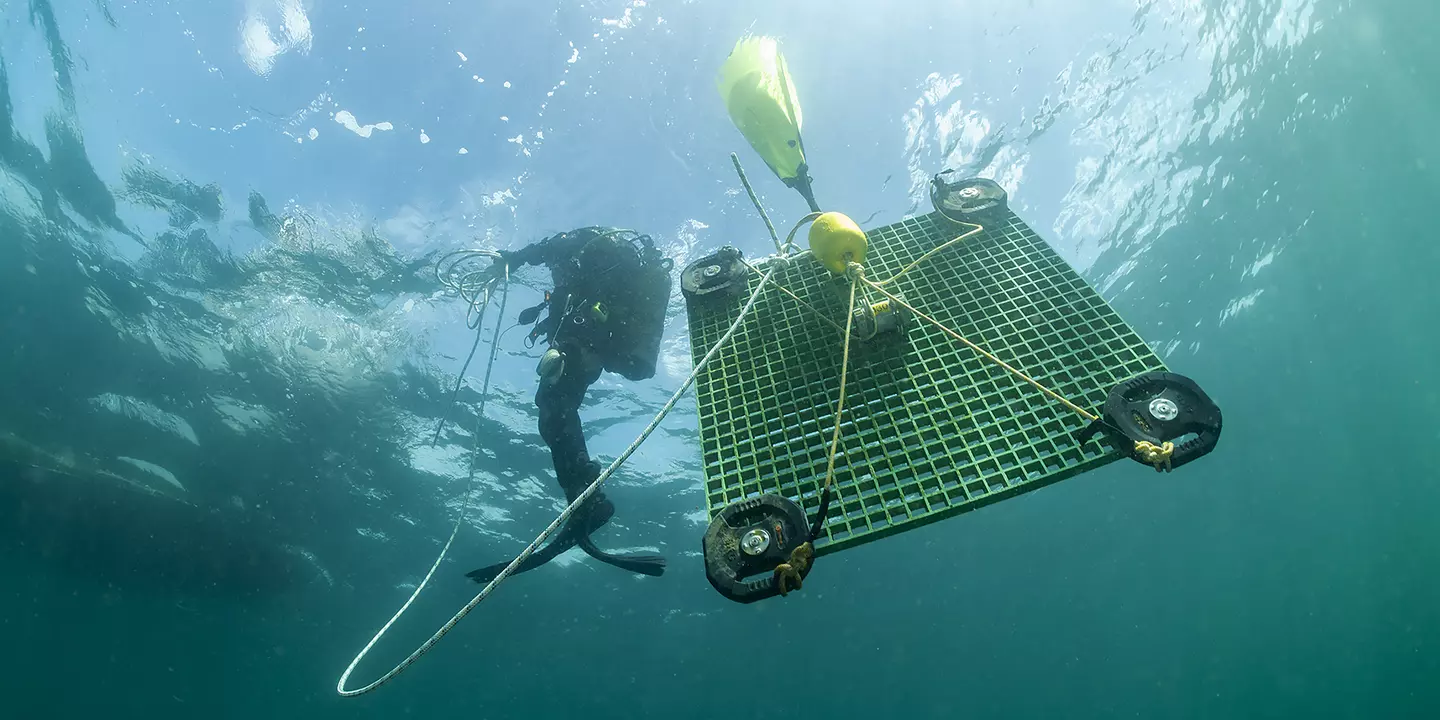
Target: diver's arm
pixel 545 251
pixel 532 254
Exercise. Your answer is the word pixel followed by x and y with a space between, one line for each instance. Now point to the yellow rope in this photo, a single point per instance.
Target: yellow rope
pixel 1082 411
pixel 1157 455
pixel 855 280
pixel 975 229
pixel 785 290
pixel 791 571
pixel 790 574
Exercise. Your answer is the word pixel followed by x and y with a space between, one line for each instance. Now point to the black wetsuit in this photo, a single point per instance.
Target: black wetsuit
pixel 595 300
pixel 573 330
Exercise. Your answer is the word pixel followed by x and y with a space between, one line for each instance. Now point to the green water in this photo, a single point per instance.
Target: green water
pixel 1252 185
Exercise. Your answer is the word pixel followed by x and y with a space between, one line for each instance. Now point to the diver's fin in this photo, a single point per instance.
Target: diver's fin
pixel 757 90
pixel 536 559
pixel 652 565
pixel 597 518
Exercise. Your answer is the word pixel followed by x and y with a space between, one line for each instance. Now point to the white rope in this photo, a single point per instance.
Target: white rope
pixel 756 202
pixel 544 534
pixel 479 310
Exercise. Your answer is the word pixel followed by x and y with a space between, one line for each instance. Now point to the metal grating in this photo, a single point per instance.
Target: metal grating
pixel 931 429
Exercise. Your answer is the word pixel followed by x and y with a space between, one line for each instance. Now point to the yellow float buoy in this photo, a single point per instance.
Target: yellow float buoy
pixel 836 241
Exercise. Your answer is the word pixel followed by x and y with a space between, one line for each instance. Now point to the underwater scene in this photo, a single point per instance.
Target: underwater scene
pixel 719 360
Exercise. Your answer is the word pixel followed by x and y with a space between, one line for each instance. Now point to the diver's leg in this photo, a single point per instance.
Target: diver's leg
pixel 559 405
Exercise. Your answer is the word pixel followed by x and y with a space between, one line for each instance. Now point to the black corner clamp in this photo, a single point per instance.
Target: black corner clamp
pixel 972 200
pixel 1155 408
pixel 752 537
pixel 721 274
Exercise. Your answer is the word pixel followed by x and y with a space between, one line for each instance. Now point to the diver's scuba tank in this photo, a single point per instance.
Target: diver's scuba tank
pixel 635 336
pixel 635 318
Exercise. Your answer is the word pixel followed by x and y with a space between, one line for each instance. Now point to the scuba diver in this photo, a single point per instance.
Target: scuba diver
pixel 606 313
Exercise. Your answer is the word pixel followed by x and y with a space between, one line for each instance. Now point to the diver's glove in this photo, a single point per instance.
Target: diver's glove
pixel 503 258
